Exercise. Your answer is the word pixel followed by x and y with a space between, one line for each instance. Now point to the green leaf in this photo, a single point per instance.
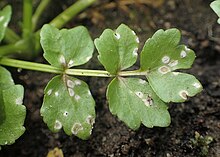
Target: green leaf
pixel 160 56
pixel 66 48
pixel 134 102
pixel 216 7
pixel 68 103
pixel 12 114
pixel 174 86
pixel 5 78
pixel 5 16
pixel 117 50
pixel 163 50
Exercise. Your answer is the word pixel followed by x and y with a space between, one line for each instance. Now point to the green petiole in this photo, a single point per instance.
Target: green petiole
pixel 74 72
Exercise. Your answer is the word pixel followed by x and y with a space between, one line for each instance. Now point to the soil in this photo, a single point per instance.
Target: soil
pixel 111 137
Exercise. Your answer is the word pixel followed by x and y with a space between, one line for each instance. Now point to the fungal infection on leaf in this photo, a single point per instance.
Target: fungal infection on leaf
pixel 49 92
pixel 117 36
pixel 173 63
pixel 57 125
pixel 76 128
pixel 71 92
pixel 166 59
pixel 164 69
pixel 56 93
pixel 90 120
pixel 184 94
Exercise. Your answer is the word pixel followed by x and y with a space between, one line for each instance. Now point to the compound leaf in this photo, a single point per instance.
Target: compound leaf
pixel 117 50
pixel 215 5
pixel 66 48
pixel 162 55
pixel 12 114
pixel 174 86
pixel 5 16
pixel 68 103
pixel 134 102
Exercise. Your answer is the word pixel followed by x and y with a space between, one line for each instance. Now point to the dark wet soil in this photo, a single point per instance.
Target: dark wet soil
pixel 111 137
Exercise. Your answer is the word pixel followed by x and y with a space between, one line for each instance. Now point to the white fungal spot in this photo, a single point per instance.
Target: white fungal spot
pixel 71 92
pixel 183 54
pixel 148 101
pixel 176 73
pixel 49 92
pixel 187 49
pixel 1 18
pixel 142 81
pixel 183 94
pixel 139 94
pixel 88 58
pixel 89 93
pixel 197 85
pixel 166 59
pixel 56 93
pixel 77 82
pixel 70 63
pixel 77 97
pixel 137 40
pixel 173 63
pixel 65 113
pixel 117 36
pixel 90 120
pixel 133 32
pixel 5 24
pixel 57 125
pixel 164 69
pixel 70 84
pixel 135 51
pixel 62 60
pixel 18 101
pixel 76 128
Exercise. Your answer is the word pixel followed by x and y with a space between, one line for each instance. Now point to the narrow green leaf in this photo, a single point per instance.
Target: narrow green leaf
pixel 174 86
pixel 5 16
pixel 66 48
pixel 215 5
pixel 12 114
pixel 134 102
pixel 117 50
pixel 68 103
pixel 163 50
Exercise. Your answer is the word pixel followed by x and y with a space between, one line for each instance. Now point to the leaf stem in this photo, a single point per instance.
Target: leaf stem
pixel 75 72
pixel 30 65
pixel 41 7
pixel 71 12
pixel 133 73
pixel 10 36
pixel 85 72
pixel 27 18
pixel 11 49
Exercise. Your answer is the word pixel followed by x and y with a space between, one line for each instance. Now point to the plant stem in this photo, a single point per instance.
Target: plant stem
pixel 41 7
pixel 27 18
pixel 71 12
pixel 30 65
pixel 85 72
pixel 10 36
pixel 66 16
pixel 11 49
pixel 75 72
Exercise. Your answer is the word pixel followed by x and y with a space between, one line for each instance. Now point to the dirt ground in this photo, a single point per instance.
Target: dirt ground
pixel 112 138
